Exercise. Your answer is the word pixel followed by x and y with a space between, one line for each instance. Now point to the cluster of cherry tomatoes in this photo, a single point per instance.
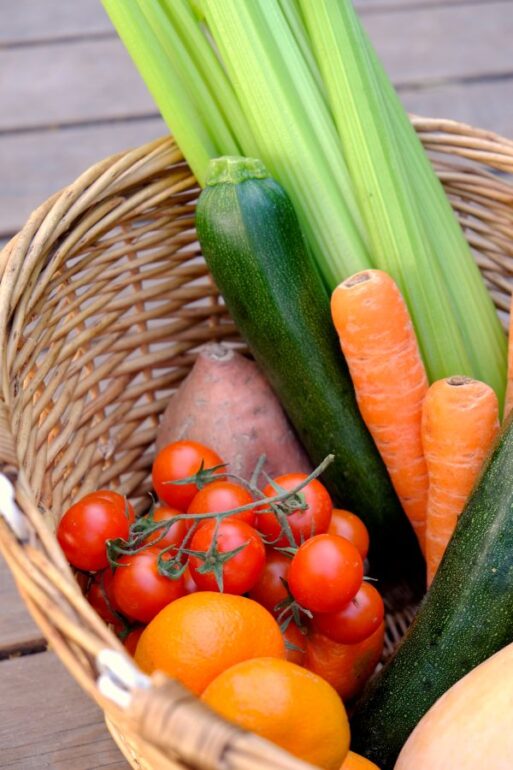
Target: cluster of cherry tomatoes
pixel 284 546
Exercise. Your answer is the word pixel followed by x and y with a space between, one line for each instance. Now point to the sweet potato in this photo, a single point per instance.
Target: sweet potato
pixel 227 404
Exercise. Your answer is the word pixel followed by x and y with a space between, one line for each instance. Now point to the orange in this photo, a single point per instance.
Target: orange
pixel 345 666
pixel 199 635
pixel 286 704
pixel 357 762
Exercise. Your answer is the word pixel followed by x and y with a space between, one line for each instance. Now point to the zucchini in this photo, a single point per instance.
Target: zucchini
pixel 252 243
pixel 465 618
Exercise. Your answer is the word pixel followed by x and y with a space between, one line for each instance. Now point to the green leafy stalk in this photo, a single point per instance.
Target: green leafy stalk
pixel 179 92
pixel 293 129
pixel 182 24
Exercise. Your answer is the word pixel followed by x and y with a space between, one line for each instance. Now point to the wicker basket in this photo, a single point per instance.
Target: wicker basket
pixel 104 299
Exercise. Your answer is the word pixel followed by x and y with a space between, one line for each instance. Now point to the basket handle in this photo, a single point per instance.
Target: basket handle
pixel 9 467
pixel 171 718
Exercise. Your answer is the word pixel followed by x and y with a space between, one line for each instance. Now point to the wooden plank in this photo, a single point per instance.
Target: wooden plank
pixel 79 81
pixel 17 629
pixel 484 105
pixel 33 166
pixel 27 20
pixel 46 721
pixel 95 79
pixel 444 42
pixel 364 6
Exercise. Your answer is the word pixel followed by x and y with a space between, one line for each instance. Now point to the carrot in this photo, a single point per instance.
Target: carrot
pixel 460 420
pixel 508 404
pixel 379 344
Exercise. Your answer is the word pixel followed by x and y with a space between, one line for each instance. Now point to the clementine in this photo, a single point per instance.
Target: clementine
pixel 357 762
pixel 345 666
pixel 286 704
pixel 200 635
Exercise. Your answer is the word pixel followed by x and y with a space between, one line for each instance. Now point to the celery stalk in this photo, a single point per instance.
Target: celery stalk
pixel 181 95
pixel 182 21
pixel 294 131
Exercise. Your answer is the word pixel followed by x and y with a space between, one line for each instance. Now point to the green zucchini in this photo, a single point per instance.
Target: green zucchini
pixel 251 240
pixel 465 618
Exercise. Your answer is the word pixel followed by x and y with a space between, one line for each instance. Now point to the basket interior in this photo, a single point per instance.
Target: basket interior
pixel 110 300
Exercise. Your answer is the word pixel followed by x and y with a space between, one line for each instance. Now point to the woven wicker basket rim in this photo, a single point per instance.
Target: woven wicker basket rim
pixel 112 210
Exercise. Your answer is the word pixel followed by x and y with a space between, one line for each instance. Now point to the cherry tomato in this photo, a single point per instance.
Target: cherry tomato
pixel 179 461
pixel 189 584
pixel 314 520
pixel 101 597
pixel 269 589
pixel 85 528
pixel 176 532
pixel 240 572
pixel 114 498
pixel 325 573
pixel 354 622
pixel 346 524
pixel 132 639
pixel 140 591
pixel 294 636
pixel 221 496
pixel 345 666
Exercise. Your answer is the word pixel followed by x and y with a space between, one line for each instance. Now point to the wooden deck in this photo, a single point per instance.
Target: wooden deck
pixel 70 96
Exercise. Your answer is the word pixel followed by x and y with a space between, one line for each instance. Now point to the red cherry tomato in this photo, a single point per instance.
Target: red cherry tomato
pixel 346 524
pixel 116 499
pixel 269 589
pixel 325 573
pixel 222 496
pixel 176 532
pixel 140 591
pixel 354 622
pixel 179 461
pixel 297 640
pixel 85 528
pixel 189 584
pixel 132 639
pixel 240 572
pixel 345 666
pixel 101 598
pixel 314 520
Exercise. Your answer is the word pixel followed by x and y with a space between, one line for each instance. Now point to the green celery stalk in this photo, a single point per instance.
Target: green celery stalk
pixel 294 131
pixel 179 92
pixel 392 205
pixel 292 14
pixel 209 71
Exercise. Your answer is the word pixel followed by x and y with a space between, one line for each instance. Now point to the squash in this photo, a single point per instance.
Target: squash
pixel 469 727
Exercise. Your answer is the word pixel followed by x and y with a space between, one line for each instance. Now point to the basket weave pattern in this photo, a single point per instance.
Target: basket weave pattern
pixel 104 300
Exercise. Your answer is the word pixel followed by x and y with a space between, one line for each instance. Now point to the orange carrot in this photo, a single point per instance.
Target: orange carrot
pixel 508 404
pixel 379 344
pixel 460 420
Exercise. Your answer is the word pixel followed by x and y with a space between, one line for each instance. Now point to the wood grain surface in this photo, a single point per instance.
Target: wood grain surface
pixel 47 722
